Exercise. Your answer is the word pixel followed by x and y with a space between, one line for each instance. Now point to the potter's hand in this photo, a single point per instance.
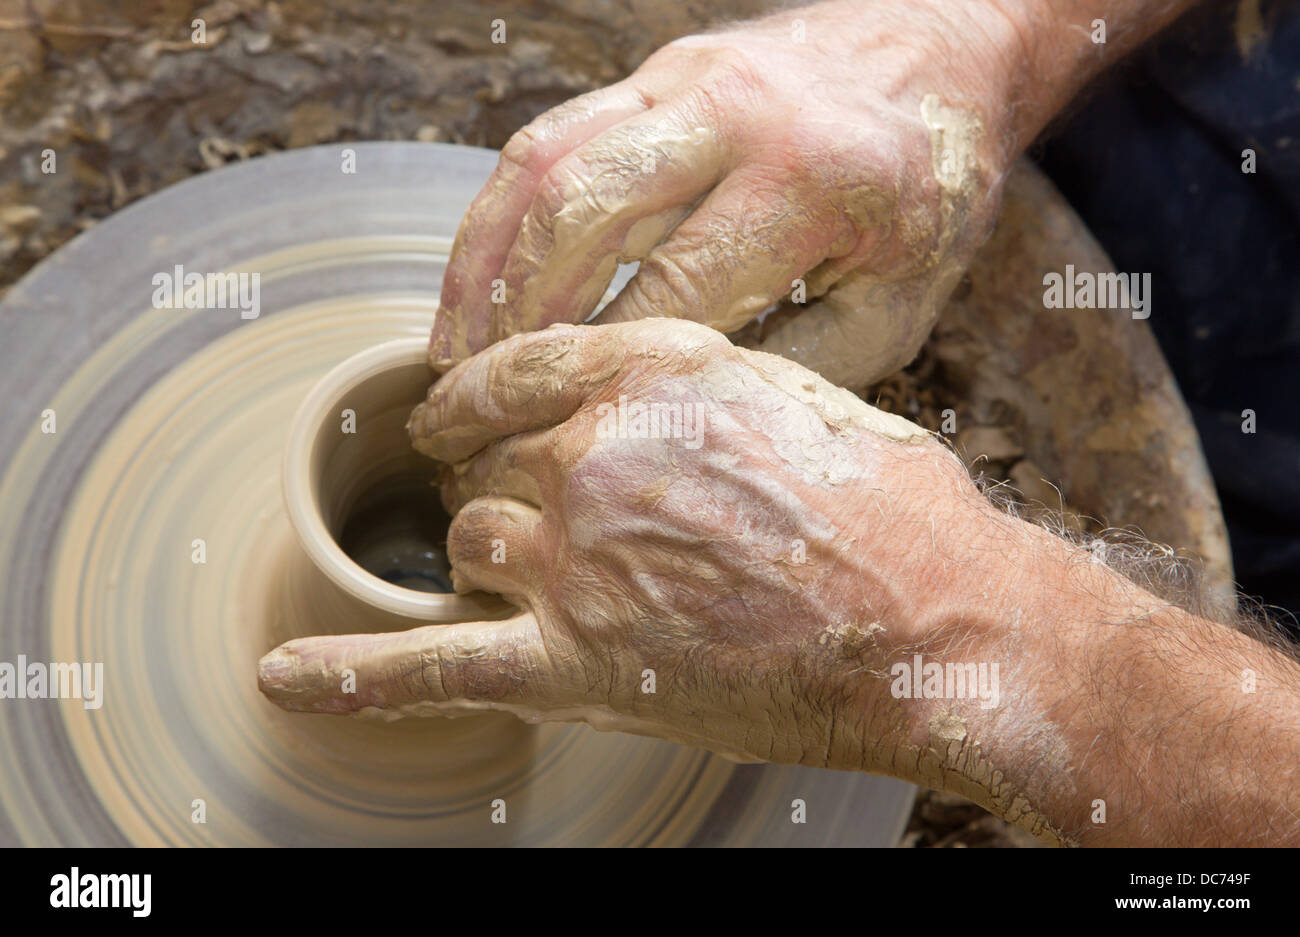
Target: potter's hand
pixel 851 147
pixel 845 156
pixel 731 586
pixel 777 579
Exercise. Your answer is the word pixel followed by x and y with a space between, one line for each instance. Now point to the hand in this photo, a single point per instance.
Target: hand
pixel 752 581
pixel 754 566
pixel 855 148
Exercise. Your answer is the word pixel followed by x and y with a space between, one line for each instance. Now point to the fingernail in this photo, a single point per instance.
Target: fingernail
pixel 275 672
pixel 415 422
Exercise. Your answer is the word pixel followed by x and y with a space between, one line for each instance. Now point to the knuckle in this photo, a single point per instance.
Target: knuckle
pixel 733 84
pixel 562 184
pixel 678 277
pixel 522 151
pixel 735 71
pixel 469 537
pixel 567 181
pixel 534 146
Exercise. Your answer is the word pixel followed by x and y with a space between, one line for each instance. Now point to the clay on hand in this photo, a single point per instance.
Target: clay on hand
pixel 848 164
pixel 727 574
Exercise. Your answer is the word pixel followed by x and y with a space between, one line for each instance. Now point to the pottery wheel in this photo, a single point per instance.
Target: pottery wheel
pixel 169 428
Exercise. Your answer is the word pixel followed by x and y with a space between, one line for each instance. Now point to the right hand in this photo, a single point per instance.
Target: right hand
pixel 763 565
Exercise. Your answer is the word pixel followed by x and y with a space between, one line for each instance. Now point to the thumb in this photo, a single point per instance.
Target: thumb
pixel 462 666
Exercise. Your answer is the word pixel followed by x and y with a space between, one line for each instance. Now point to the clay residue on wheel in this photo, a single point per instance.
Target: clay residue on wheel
pixel 1125 451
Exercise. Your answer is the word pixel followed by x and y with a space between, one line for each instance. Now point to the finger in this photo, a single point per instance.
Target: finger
pixel 438 665
pixel 610 201
pixel 864 328
pixel 739 252
pixel 519 467
pixel 493 545
pixel 493 218
pixel 528 382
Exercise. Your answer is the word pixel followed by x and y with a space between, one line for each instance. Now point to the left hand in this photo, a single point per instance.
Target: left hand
pixel 847 156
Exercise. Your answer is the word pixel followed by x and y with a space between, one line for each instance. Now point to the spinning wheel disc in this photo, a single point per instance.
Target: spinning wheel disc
pixel 169 428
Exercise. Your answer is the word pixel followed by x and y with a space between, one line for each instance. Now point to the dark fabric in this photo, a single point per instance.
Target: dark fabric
pixel 1152 161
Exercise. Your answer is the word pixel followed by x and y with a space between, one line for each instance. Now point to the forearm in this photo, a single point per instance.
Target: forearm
pixel 1015 63
pixel 1121 720
pixel 1195 735
pixel 1067 43
pixel 1012 64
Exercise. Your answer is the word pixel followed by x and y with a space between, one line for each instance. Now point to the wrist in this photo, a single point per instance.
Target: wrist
pixel 994 703
pixel 1064 44
pixel 969 55
pixel 1117 718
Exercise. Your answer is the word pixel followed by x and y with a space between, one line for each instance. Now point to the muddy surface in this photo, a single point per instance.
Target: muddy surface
pixel 129 102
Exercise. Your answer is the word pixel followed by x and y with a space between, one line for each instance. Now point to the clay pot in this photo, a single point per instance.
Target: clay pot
pixel 364 504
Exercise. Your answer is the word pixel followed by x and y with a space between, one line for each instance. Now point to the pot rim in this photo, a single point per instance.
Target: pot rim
pixel 302 501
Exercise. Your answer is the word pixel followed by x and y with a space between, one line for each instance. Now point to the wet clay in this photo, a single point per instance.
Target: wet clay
pixel 625 192
pixel 952 760
pixel 867 325
pixel 199 457
pixel 180 626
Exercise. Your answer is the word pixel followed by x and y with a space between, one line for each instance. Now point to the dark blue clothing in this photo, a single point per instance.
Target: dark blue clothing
pixel 1152 161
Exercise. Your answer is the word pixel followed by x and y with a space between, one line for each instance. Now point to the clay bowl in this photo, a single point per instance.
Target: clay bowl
pixel 363 503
